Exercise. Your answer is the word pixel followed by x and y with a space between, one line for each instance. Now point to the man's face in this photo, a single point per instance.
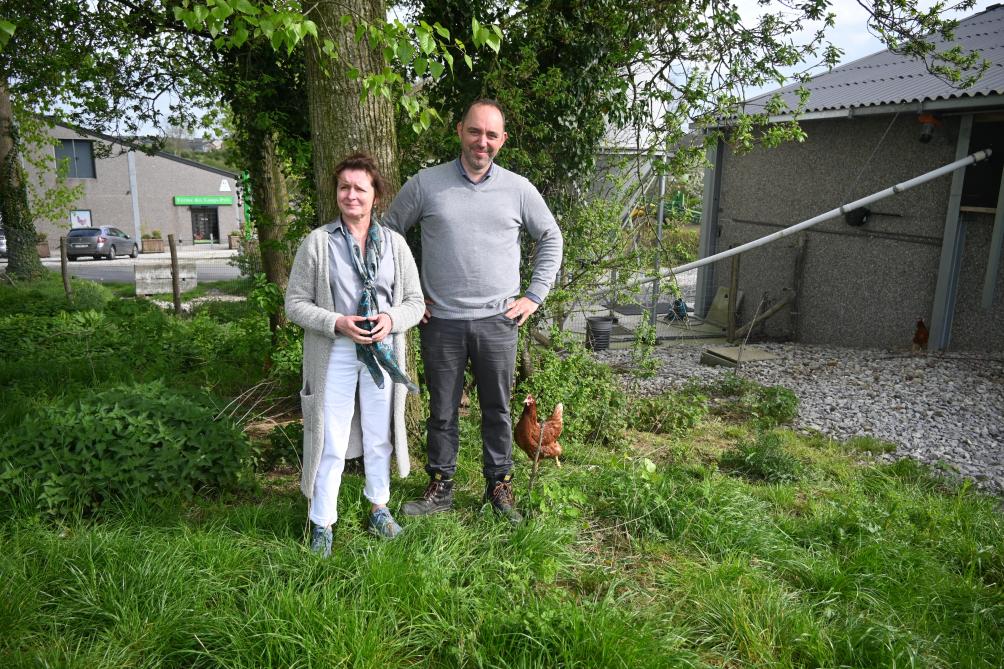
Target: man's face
pixel 482 134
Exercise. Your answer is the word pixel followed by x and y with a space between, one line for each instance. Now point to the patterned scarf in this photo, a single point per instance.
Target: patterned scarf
pixel 378 354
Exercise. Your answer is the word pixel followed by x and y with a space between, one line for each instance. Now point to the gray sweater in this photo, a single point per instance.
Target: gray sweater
pixel 470 238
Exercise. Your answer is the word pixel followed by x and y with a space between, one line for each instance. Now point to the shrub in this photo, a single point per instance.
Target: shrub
pixel 674 412
pixel 130 441
pixel 762 460
pixel 595 407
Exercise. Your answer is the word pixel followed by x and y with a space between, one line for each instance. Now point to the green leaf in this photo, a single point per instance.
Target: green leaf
pixel 420 66
pixel 443 32
pixel 245 7
pixel 310 28
pixel 470 63
pixel 240 35
pixel 448 57
pixel 405 51
pixel 222 10
pixel 8 28
pixel 493 41
pixel 426 42
pixel 436 69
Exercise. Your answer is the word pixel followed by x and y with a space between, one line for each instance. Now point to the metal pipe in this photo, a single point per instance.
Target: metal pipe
pixel 843 209
pixel 652 315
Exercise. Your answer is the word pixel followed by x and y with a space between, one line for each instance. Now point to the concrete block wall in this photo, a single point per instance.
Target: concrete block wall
pixel 861 286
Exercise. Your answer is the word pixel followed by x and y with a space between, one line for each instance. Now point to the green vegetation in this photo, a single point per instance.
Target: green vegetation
pixel 674 535
pixel 125 443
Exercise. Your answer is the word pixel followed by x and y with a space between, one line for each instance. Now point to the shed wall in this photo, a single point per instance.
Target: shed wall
pixel 861 286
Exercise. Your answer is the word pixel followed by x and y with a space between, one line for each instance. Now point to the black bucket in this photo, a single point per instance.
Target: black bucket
pixel 598 332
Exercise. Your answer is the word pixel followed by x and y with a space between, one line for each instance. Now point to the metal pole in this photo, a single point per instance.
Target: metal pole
pixel 733 298
pixel 134 192
pixel 994 259
pixel 652 314
pixel 843 209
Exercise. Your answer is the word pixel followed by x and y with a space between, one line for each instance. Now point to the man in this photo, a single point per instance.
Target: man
pixel 471 213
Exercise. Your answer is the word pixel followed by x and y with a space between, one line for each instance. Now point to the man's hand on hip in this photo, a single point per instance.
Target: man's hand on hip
pixel 521 309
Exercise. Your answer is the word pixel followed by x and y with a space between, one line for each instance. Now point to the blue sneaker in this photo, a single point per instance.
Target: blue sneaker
pixel 320 540
pixel 383 525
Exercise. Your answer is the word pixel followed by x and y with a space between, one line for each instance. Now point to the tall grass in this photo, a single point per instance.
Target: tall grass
pixel 685 548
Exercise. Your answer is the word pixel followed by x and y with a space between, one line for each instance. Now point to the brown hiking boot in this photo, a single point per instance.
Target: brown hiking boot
pixel 499 493
pixel 437 498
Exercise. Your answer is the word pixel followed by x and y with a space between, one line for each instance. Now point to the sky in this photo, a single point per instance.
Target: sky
pixel 850 33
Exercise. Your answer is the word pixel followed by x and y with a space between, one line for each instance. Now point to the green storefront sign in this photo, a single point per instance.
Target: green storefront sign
pixel 202 200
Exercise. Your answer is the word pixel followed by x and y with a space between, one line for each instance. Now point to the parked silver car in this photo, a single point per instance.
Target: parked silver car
pixel 103 242
pixel 3 243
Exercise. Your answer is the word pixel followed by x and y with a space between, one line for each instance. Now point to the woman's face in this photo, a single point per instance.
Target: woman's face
pixel 355 194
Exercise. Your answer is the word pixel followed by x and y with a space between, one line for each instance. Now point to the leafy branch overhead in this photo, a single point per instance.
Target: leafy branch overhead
pixel 416 55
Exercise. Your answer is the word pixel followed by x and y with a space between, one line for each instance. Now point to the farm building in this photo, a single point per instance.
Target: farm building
pixel 931 253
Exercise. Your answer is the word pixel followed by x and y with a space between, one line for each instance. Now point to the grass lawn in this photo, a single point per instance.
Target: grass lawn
pixel 649 557
pixel 720 544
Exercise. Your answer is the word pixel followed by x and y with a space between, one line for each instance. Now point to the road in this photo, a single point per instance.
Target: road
pixel 208 268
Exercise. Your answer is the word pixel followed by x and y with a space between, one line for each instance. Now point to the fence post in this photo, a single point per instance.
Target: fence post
pixel 175 274
pixel 64 269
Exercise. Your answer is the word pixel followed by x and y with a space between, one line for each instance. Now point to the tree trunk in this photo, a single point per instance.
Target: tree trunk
pixel 340 122
pixel 14 212
pixel 271 216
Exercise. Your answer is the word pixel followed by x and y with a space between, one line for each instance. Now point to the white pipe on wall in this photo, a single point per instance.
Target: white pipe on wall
pixel 839 211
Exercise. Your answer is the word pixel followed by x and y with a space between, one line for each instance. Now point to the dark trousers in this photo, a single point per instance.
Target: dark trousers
pixel 490 345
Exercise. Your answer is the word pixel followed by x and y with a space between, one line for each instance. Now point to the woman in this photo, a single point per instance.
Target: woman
pixel 354 289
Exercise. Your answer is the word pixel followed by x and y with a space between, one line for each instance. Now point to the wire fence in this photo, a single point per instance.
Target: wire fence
pixel 219 277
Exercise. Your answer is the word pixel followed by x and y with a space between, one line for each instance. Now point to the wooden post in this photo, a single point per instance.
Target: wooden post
pixel 175 274
pixel 733 289
pixel 64 268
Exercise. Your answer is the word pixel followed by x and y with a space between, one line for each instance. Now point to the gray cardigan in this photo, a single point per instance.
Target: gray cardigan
pixel 310 305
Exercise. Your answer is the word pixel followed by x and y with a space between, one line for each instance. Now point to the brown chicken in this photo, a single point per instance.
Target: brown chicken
pixel 920 336
pixel 529 432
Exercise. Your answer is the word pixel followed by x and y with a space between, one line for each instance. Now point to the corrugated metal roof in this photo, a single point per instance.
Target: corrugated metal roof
pixel 887 78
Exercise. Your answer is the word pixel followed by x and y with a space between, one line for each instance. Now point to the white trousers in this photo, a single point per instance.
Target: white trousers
pixel 345 375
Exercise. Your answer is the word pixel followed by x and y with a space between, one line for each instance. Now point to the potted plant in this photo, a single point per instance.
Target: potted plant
pixel 152 242
pixel 42 244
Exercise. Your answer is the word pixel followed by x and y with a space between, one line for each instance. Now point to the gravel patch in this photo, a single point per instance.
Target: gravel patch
pixel 945 410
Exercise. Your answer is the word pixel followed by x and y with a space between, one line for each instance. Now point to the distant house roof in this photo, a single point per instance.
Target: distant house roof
pixel 885 78
pixel 140 147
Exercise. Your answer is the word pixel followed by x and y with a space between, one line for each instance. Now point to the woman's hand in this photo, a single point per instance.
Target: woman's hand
pixel 382 325
pixel 347 325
